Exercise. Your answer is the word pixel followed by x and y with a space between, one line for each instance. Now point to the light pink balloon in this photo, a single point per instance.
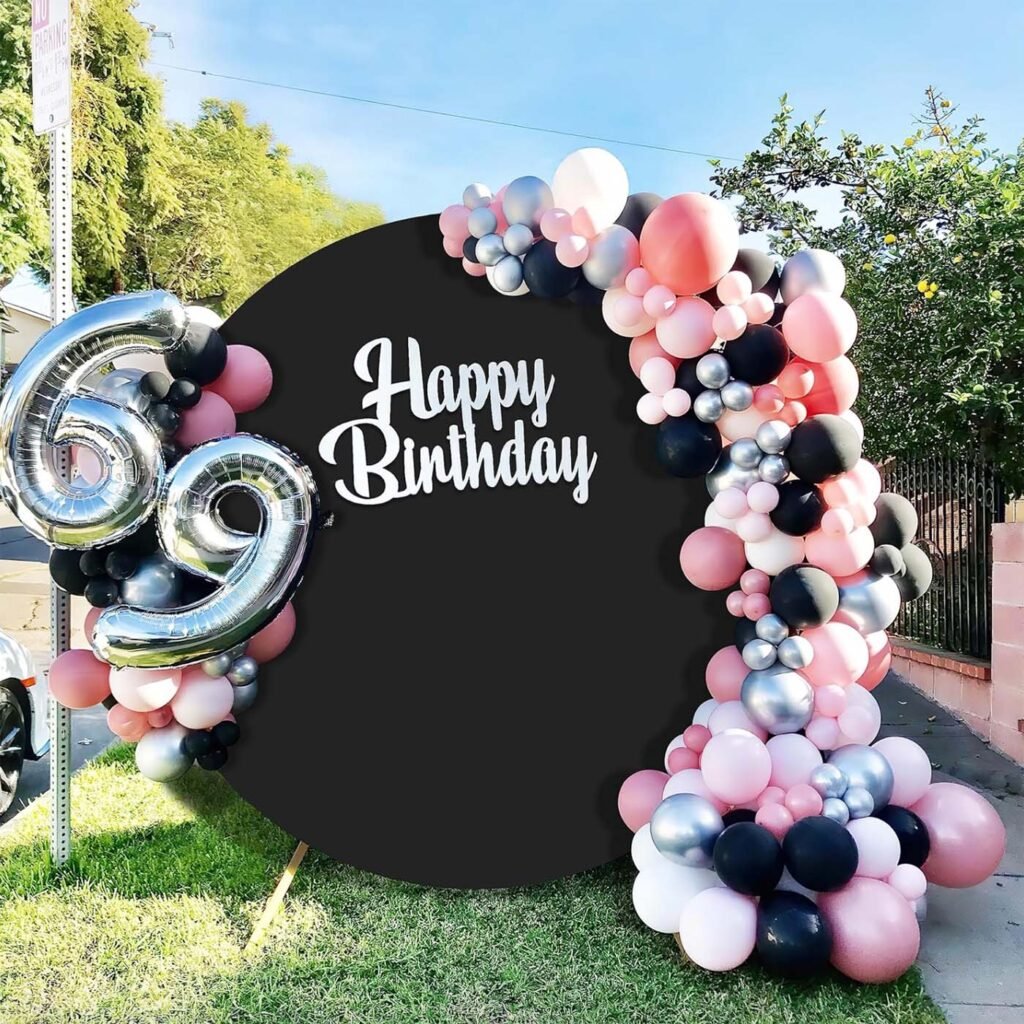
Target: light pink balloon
pixel 202 701
pixel 875 933
pixel 793 757
pixel 731 503
pixel 858 697
pixel 650 409
pixel 878 847
pixel 712 558
pixel 823 732
pixel 837 522
pixel 762 496
pixel 639 282
pixel 572 250
pixel 676 402
pixel 718 928
pixel 819 326
pixel 659 301
pixel 687 331
pixel 911 769
pixel 759 308
pixel 452 246
pixel 691 780
pixel 830 700
pixel 629 310
pixel 88 464
pixel 645 347
pixel 729 322
pixel 247 379
pixel 78 679
pixel 734 288
pixel 736 766
pixel 756 606
pixel 681 758
pixel 454 222
pixel 126 724
pixel 731 714
pixel 555 224
pixel 274 638
pixel 658 375
pixel 211 417
pixel 770 795
pixel 725 673
pixel 776 818
pixel 967 838
pixel 145 690
pixel 909 881
pixel 840 555
pixel 754 526
pixel 639 794
pixel 840 654
pixel 796 380
pixel 803 801
pixel 855 724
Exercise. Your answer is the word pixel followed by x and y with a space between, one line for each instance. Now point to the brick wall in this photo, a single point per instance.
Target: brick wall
pixel 1007 707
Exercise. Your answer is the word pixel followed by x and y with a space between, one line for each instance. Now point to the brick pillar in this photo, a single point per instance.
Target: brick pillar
pixel 1007 721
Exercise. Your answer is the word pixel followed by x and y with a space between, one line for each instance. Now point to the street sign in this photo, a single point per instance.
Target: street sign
pixel 51 65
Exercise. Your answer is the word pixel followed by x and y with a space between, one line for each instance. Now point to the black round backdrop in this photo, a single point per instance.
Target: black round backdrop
pixel 476 671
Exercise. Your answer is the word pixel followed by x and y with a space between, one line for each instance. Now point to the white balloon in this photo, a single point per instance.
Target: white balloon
pixel 776 552
pixel 673 745
pixel 643 851
pixel 642 326
pixel 594 180
pixel 703 713
pixel 661 891
pixel 735 425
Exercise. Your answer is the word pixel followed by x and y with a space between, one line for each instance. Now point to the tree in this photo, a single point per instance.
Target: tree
pixel 932 237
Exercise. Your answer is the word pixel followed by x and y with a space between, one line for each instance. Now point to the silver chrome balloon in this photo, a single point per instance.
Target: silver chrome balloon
pixel 713 370
pixel 726 473
pixel 812 268
pixel 489 250
pixel 773 469
pixel 160 756
pixel 482 221
pixel 508 274
pixel 684 828
pixel 773 437
pixel 778 699
pixel 866 769
pixel 758 654
pixel 120 386
pixel 156 583
pixel 869 602
pixel 737 395
pixel 244 697
pixel 517 238
pixel 796 652
pixel 42 409
pixel 526 199
pixel 708 407
pixel 745 453
pixel 835 809
pixel 476 195
pixel 243 671
pixel 257 572
pixel 771 628
pixel 828 781
pixel 921 908
pixel 612 255
pixel 859 802
pixel 218 665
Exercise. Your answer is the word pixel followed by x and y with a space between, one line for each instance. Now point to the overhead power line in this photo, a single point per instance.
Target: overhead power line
pixel 433 112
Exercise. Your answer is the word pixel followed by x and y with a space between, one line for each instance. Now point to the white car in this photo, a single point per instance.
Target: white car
pixel 24 728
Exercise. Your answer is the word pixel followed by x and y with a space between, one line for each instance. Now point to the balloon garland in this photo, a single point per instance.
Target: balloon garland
pixel 779 823
pixel 185 609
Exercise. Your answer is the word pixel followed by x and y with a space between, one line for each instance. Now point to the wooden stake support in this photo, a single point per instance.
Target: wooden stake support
pixel 276 899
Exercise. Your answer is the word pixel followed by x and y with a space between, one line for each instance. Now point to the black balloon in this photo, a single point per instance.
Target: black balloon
pixel 184 393
pixel 917 573
pixel 93 562
pixel 758 355
pixel 748 859
pixel 469 249
pixel 793 937
pixel 761 269
pixel 171 452
pixel 711 296
pixel 110 701
pixel 776 317
pixel 198 742
pixel 154 385
pixel 804 596
pixel 214 760
pixel 143 541
pixel 821 447
pixel 745 632
pixel 686 377
pixel 915 843
pixel 895 520
pixel 66 571
pixel 101 592
pixel 738 814
pixel 686 447
pixel 820 854
pixel 165 418
pixel 121 564
pixel 586 294
pixel 544 275
pixel 800 508
pixel 201 356
pixel 887 560
pixel 638 208
pixel 226 733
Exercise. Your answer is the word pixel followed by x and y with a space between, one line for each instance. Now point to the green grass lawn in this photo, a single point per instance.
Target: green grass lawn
pixel 149 921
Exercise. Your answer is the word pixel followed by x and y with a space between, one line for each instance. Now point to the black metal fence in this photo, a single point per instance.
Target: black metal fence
pixel 957 501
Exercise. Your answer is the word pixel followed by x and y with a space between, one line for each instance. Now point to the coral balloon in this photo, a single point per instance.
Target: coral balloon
pixel 645 347
pixel 274 637
pixel 126 724
pixel 247 378
pixel 639 794
pixel 819 326
pixel 879 659
pixel 725 673
pixel 840 654
pixel 712 558
pixel 78 679
pixel 835 387
pixel 718 928
pixel 736 766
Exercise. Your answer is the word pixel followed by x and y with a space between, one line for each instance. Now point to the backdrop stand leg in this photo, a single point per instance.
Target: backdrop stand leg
pixel 276 899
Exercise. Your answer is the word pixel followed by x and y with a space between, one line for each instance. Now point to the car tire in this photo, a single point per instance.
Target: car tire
pixel 13 740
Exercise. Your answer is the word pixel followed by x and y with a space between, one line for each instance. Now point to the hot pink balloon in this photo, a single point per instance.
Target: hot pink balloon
pixel 681 758
pixel 835 387
pixel 78 679
pixel 691 780
pixel 126 724
pixel 202 701
pixel 687 331
pixel 819 326
pixel 803 801
pixel 911 769
pixel 140 689
pixel 639 794
pixel 840 654
pixel 211 417
pixel 725 673
pixel 247 379
pixel 274 638
pixel 736 766
pixel 967 838
pixel 712 558
pixel 840 555
pixel 793 757
pixel 718 928
pixel 645 347
pixel 731 714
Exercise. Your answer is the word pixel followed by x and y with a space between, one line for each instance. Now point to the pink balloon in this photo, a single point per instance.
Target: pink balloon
pixel 680 759
pixel 729 322
pixel 736 766
pixel 734 603
pixel 90 621
pixel 676 402
pixel 210 417
pixel 78 679
pixel 629 310
pixel 658 375
pixel 88 464
pixel 762 496
pixel 756 606
pixel 770 795
pixel 759 308
pixel 689 242
pixel 202 701
pixel 734 288
pixel 651 409
pixel 796 380
pixel 273 638
pixel 911 769
pixel 878 847
pixel 803 801
pixel 837 522
pixel 879 659
pixel 159 718
pixel 967 838
pixel 819 326
pixel 454 222
pixel 718 928
pixel 834 389
pixel 840 555
pixel 639 794
pixel 768 398
pixel 793 757
pixel 659 301
pixel 452 246
pixel 840 654
pixel 830 700
pixel 696 737
pixel 823 733
pixel 754 526
pixel 687 331
pixel 712 558
pixel 247 378
pixel 753 581
pixel 875 933
pixel 855 724
pixel 691 780
pixel 129 725
pixel 909 881
pixel 645 347
pixel 474 269
pixel 555 224
pixel 867 475
pixel 140 689
pixel 572 250
pixel 731 714
pixel 776 818
pixel 725 673
pixel 639 282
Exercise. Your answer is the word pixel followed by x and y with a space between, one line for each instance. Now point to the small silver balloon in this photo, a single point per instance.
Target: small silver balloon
pixel 771 628
pixel 120 386
pixel 796 652
pixel 725 473
pixel 737 395
pixel 244 697
pixel 778 699
pixel 684 828
pixel 859 802
pixel 508 274
pixel 526 199
pixel 713 370
pixel 160 756
pixel 155 584
pixel 835 809
pixel 921 908
pixel 866 769
pixel 773 469
pixel 745 453
pixel 812 268
pixel 828 781
pixel 869 602
pixel 490 250
pixel 518 238
pixel 758 654
pixel 243 671
pixel 611 256
pixel 218 665
pixel 773 437
pixel 707 407
pixel 476 195
pixel 482 221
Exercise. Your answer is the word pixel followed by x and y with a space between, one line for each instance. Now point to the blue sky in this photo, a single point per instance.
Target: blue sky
pixel 699 76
